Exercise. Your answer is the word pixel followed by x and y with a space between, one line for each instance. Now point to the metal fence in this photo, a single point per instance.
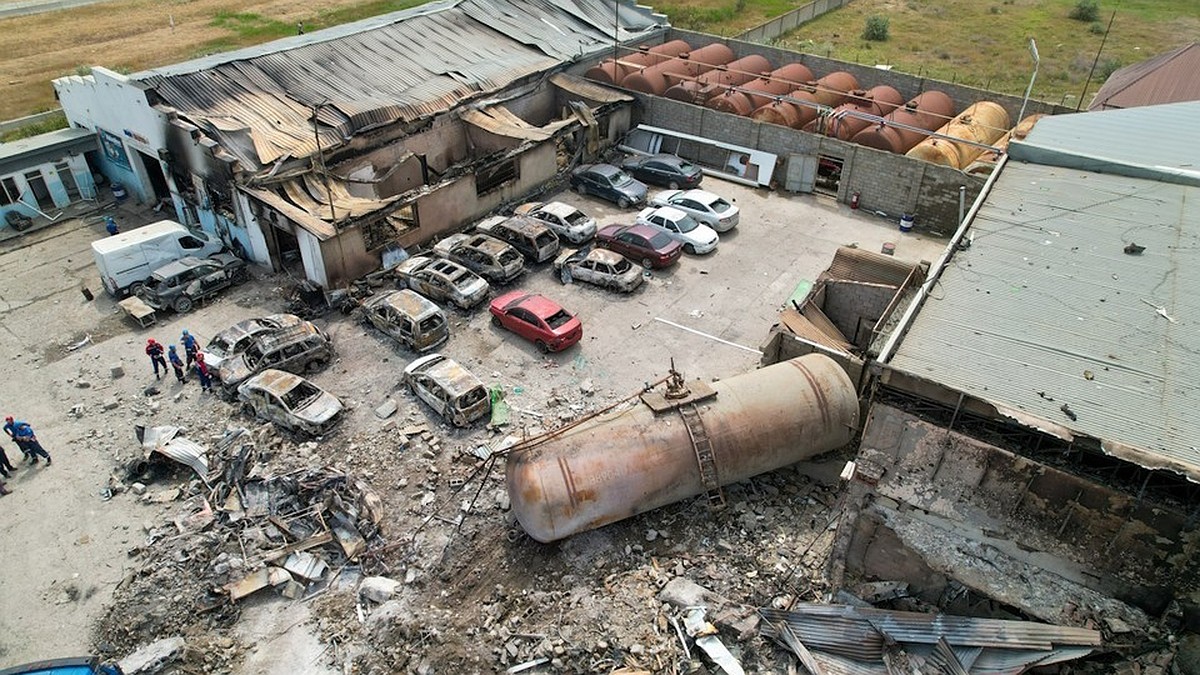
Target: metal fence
pixel 764 33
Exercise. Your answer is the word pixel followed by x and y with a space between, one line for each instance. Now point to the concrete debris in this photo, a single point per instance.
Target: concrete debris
pixel 116 372
pixel 683 593
pixel 377 589
pixel 153 657
pixel 386 410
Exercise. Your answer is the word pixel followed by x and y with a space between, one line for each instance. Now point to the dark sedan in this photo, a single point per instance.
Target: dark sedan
pixel 665 170
pixel 641 243
pixel 608 182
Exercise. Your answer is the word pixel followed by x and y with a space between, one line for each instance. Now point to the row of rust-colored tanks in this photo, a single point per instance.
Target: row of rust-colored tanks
pixel 790 96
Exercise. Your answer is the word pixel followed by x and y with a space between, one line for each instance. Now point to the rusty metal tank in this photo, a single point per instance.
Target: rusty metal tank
pixel 829 91
pixel 927 111
pixel 657 78
pixel 844 121
pixel 982 122
pixel 984 163
pixel 612 72
pixel 714 81
pixel 634 459
pixel 753 95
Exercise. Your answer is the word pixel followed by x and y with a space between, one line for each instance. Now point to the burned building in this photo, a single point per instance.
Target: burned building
pixel 325 151
pixel 1031 440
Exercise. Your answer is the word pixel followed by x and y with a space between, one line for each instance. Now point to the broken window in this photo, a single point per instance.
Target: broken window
pixel 9 192
pixel 491 177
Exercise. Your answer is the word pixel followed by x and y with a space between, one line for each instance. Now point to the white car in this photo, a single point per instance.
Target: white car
pixel 697 239
pixel 702 205
pixel 567 221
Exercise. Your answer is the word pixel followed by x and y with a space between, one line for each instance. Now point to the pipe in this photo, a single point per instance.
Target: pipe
pixel 633 460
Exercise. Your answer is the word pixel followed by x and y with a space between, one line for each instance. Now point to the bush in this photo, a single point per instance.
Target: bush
pixel 876 29
pixel 1096 28
pixel 1085 10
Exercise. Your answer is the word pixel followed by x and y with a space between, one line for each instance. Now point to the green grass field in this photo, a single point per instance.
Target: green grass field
pixel 982 43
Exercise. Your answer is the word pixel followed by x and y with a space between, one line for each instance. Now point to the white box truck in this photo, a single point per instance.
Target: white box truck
pixel 126 260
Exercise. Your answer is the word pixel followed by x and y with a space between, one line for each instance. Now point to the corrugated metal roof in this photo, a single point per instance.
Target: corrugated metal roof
pixel 587 89
pixel 1166 78
pixel 399 67
pixel 1154 142
pixel 1045 310
pixel 849 640
pixel 856 264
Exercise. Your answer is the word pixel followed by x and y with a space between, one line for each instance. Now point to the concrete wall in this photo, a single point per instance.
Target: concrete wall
pixel 855 306
pixel 885 182
pixel 1058 532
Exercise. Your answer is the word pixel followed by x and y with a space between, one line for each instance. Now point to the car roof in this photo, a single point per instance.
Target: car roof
pixel 560 209
pixel 177 267
pixel 668 212
pixel 664 157
pixel 488 244
pixel 277 382
pixel 639 229
pixel 603 255
pixel 525 225
pixel 702 196
pixel 603 169
pixel 540 305
pixel 285 336
pixel 404 301
pixel 448 372
pixel 414 264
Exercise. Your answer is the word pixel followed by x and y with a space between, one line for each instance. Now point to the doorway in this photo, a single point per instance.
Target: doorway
pixel 41 192
pixel 68 181
pixel 158 181
pixel 829 175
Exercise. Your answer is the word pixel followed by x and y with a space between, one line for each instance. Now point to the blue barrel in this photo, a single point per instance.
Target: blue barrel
pixel 906 223
pixel 118 192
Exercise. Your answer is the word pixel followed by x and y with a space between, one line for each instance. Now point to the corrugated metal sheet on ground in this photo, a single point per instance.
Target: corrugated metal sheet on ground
pixel 188 453
pixel 401 67
pixel 848 640
pixel 1046 298
pixel 856 264
pixel 587 89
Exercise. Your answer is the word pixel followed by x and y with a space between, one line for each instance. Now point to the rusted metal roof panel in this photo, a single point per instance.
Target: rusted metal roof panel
pixel 587 89
pixel 1166 78
pixel 400 67
pixel 856 264
pixel 1046 313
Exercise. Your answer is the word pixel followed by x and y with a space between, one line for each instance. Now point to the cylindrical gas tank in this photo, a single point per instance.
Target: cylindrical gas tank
pixel 756 94
pixel 985 162
pixel 633 460
pixel 828 91
pixel 878 101
pixel 928 111
pixel 983 122
pixel 612 72
pixel 711 83
pixel 657 78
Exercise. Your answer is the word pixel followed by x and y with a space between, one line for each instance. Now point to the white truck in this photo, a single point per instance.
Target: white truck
pixel 126 260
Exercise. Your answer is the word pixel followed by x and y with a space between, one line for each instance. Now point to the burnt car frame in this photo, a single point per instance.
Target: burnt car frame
pixel 486 256
pixel 180 284
pixel 290 401
pixel 408 318
pixel 442 280
pixel 600 267
pixel 452 391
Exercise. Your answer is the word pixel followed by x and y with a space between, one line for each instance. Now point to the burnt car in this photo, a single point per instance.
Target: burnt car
pixel 599 266
pixel 410 319
pixel 666 170
pixel 442 280
pixel 641 243
pixel 233 341
pixel 451 390
pixel 486 256
pixel 568 222
pixel 180 284
pixel 533 238
pixel 608 182
pixel 290 401
pixel 300 348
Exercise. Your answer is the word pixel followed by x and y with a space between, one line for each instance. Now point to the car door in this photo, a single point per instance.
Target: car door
pixel 585 271
pixel 430 392
pixel 526 324
pixel 602 274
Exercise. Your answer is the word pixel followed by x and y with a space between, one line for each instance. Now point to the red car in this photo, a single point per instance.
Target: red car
pixel 641 243
pixel 538 319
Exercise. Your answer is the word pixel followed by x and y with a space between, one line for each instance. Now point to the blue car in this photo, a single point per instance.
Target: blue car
pixel 608 182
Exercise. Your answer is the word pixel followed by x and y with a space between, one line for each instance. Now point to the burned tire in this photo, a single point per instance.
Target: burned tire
pixel 183 304
pixel 315 365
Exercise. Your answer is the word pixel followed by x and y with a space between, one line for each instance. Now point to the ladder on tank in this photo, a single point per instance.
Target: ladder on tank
pixel 704 454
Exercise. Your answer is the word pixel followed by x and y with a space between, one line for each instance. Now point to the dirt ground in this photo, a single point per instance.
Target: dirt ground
pixel 91 566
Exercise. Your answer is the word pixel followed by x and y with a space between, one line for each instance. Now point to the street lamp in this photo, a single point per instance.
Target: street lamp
pixel 1029 89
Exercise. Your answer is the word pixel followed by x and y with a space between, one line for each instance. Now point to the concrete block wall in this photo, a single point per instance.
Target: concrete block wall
pixel 855 306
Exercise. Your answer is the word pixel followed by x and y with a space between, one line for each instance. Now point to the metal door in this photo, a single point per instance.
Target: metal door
pixel 801 173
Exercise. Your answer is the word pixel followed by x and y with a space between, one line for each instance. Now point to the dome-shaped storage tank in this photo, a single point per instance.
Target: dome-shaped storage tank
pixel 982 122
pixel 714 81
pixel 753 95
pixel 633 460
pixel 612 72
pixel 842 123
pixel 803 104
pixel 657 78
pixel 928 111
pixel 985 162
